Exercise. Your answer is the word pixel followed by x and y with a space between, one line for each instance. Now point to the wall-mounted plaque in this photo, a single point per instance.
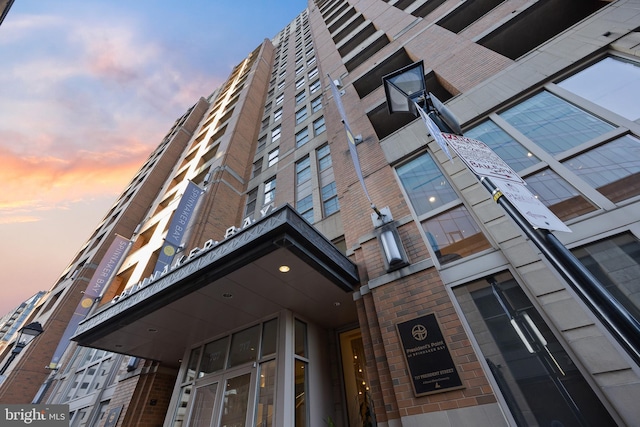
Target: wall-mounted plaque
pixel 112 416
pixel 430 364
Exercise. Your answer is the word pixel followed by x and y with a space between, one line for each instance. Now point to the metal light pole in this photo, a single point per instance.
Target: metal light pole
pixel 27 334
pixel 404 89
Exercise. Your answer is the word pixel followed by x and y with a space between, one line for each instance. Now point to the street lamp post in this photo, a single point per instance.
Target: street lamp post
pixel 406 88
pixel 26 335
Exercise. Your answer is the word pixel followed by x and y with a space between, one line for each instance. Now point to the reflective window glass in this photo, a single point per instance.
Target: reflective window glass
pixel 514 154
pixel 330 199
pixel 244 346
pixel 618 92
pixel 538 380
pixel 303 170
pixel 613 168
pixel 558 195
pixel 616 264
pixel 454 234
pixel 553 123
pixel 269 191
pixel 300 394
pixel 319 126
pixel 190 373
pixel 301 115
pixel 214 356
pixel 324 157
pixel 302 137
pixel 265 407
pixel 300 338
pixel 269 337
pixel 181 408
pixel 305 207
pixel 425 185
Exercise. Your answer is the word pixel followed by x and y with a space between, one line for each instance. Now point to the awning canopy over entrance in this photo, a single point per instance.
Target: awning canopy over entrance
pixel 227 286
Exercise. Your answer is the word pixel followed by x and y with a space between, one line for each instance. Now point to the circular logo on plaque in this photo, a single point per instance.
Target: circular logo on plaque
pixel 86 303
pixel 419 332
pixel 169 250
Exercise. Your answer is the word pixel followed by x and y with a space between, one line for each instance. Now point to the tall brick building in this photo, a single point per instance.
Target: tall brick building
pixel 259 287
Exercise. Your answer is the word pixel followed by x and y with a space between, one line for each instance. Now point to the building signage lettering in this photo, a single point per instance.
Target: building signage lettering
pixel 194 253
pixel 430 364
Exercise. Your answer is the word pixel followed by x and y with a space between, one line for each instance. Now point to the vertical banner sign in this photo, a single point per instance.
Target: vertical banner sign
pixel 350 138
pixel 100 278
pixel 430 364
pixel 178 226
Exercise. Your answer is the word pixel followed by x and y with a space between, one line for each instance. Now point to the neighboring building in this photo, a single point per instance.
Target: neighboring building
pixel 14 320
pixel 255 289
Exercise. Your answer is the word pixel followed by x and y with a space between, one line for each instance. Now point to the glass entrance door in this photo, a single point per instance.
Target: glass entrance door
pixel 225 400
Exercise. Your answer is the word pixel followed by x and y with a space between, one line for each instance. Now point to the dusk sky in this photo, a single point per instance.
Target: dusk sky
pixel 87 90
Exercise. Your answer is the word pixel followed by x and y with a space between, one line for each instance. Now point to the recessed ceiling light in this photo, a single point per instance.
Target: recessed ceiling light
pixel 284 269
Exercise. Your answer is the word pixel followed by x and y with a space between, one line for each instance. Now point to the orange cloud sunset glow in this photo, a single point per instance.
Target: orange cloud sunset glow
pixel 87 91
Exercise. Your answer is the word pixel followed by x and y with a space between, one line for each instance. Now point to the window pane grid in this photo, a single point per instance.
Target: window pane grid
pixel 612 168
pixel 553 123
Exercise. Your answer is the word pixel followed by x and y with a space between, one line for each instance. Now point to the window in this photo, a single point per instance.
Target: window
pixel 255 344
pixel 553 123
pixel 305 208
pixel 324 157
pixel 313 73
pixel 449 228
pixel 251 202
pixel 301 115
pixel 330 199
pixel 300 97
pixel 277 115
pixel 513 153
pixel 261 143
pixel 302 137
pixel 618 92
pixel 281 85
pixel 280 99
pixel 267 108
pixel 583 161
pixel 316 104
pixel 299 83
pixel 615 262
pixel 315 86
pixel 273 157
pixel 275 133
pixel 311 61
pixel 528 363
pixel 257 168
pixel 299 69
pixel 303 170
pixel 558 195
pixel 319 126
pixel 265 124
pixel 613 168
pixel 270 191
